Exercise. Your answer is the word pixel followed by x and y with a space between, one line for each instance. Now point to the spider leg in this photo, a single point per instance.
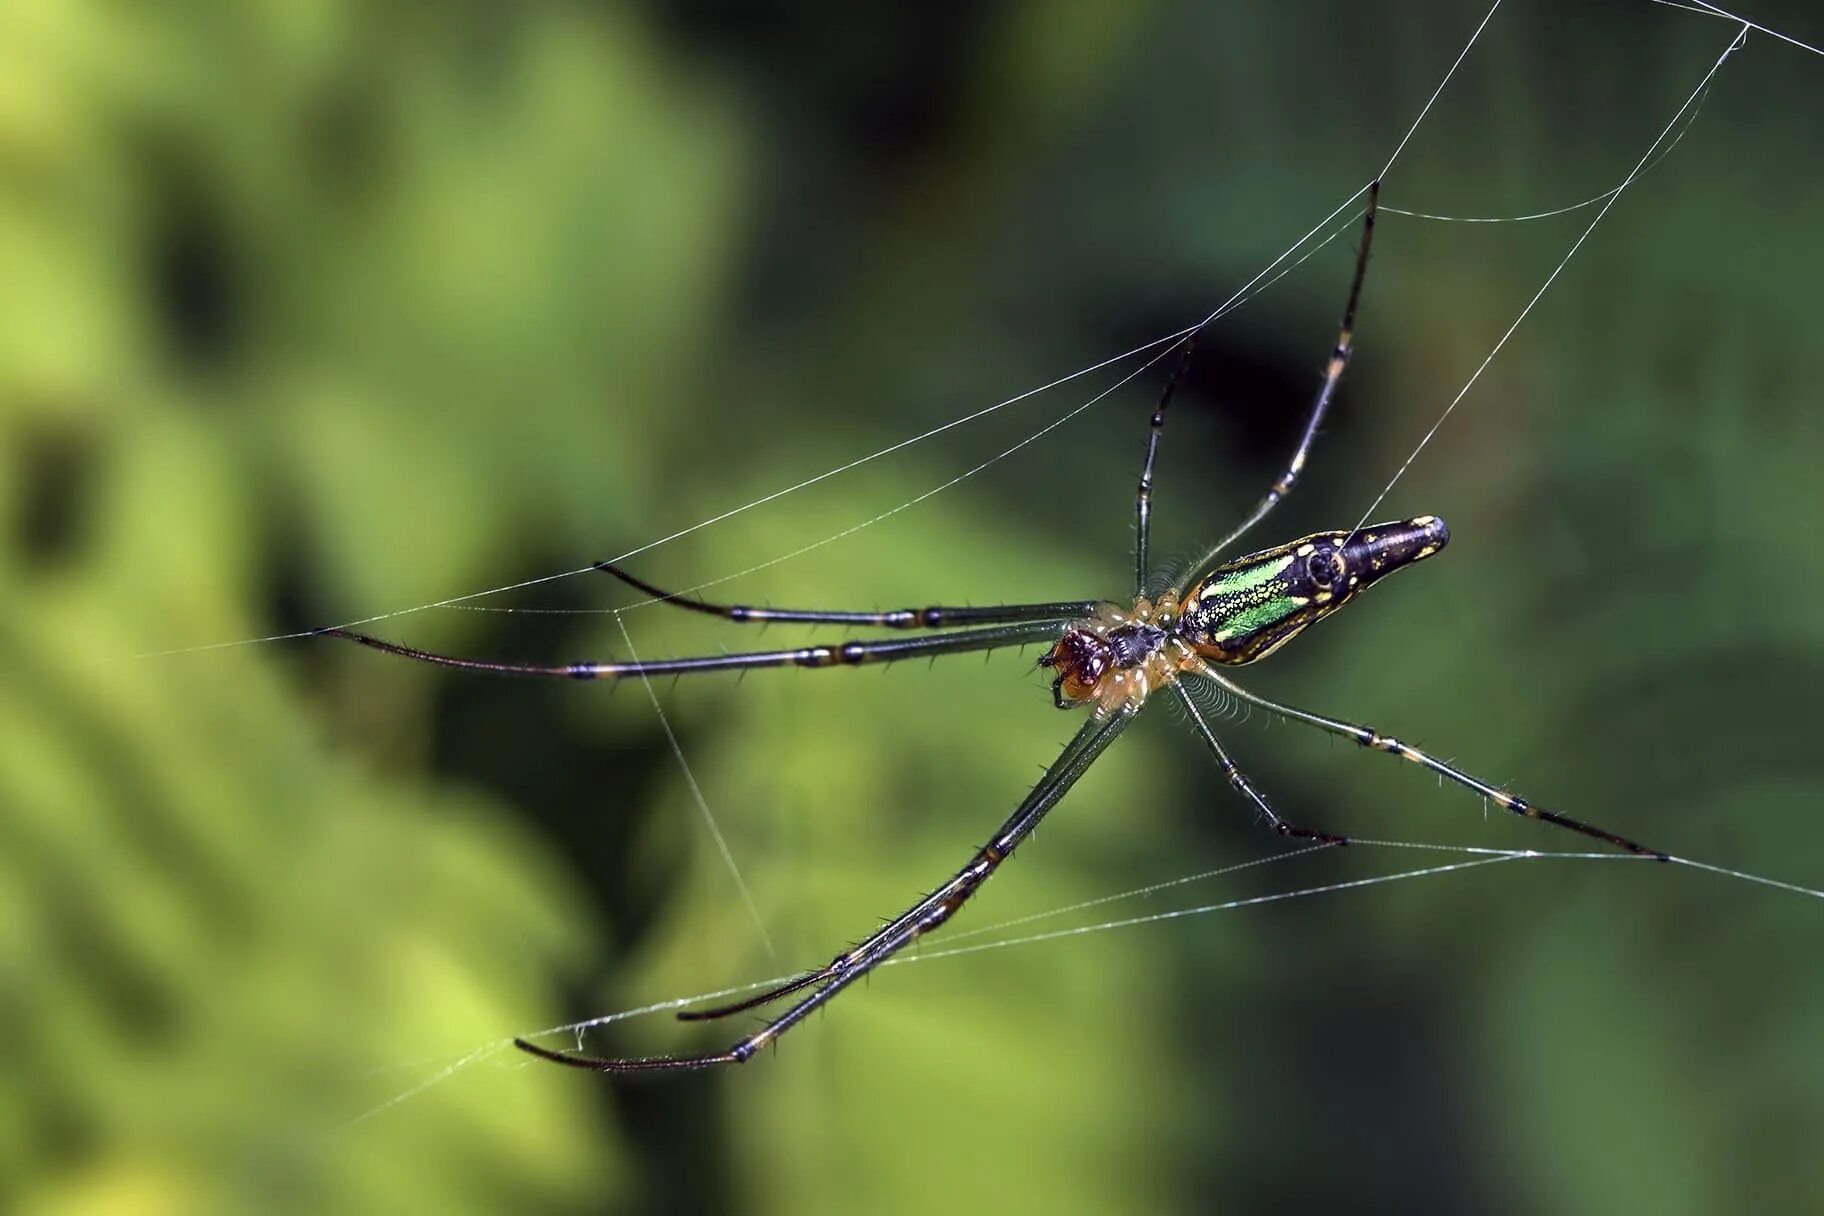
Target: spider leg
pixel 763 998
pixel 1240 781
pixel 898 618
pixel 848 654
pixel 1368 737
pixel 1143 500
pixel 921 918
pixel 828 971
pixel 1333 373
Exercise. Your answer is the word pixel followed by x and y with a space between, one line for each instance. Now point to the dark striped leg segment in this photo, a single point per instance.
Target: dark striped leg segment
pixel 1239 780
pixel 846 654
pixel 1143 500
pixel 921 918
pixel 937 617
pixel 1333 374
pixel 1373 739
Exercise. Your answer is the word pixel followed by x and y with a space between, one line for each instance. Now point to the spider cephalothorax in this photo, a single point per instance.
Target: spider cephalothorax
pixel 1118 655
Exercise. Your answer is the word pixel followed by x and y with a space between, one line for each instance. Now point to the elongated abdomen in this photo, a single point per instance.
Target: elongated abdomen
pixel 1250 607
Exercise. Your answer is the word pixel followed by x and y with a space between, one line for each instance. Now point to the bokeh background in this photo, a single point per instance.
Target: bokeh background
pixel 313 311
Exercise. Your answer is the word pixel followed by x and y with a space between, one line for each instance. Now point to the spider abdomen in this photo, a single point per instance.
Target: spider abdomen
pixel 1250 607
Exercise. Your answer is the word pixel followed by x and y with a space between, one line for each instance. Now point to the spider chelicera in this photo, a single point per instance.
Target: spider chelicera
pixel 1109 658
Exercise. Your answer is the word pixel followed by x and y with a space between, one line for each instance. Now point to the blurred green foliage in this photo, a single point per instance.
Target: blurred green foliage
pixel 314 311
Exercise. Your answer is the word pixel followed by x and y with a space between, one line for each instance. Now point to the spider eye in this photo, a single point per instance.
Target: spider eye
pixel 1322 568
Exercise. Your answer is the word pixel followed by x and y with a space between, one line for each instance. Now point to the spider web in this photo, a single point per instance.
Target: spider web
pixel 1105 378
pixel 1340 221
pixel 1017 932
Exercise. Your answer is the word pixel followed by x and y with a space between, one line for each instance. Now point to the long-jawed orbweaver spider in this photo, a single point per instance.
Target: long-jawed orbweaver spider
pixel 1107 657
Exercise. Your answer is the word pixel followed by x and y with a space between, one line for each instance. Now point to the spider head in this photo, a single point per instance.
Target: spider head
pixel 1250 607
pixel 1081 659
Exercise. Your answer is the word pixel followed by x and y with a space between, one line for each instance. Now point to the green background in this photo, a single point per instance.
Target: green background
pixel 310 311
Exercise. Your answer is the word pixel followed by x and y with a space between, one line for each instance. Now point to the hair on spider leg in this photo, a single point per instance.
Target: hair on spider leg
pixel 1169 574
pixel 1214 700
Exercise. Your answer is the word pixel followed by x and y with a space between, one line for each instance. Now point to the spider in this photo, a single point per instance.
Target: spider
pixel 1109 658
